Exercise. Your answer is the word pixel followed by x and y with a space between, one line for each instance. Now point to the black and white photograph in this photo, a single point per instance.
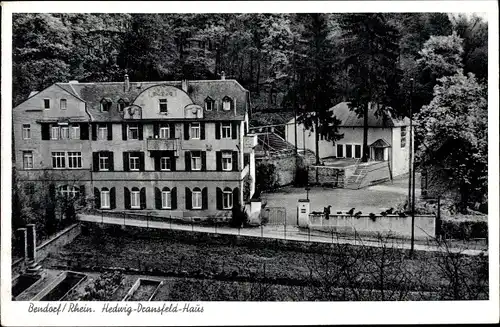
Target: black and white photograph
pixel 168 163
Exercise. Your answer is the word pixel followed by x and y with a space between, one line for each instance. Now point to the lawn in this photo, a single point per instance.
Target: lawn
pixel 320 270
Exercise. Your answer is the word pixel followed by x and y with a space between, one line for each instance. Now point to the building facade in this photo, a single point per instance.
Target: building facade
pixel 178 148
pixel 388 138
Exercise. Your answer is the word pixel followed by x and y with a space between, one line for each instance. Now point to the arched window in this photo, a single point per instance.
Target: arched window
pixel 197 201
pixel 106 104
pixel 135 198
pixel 209 104
pixel 227 198
pixel 227 103
pixel 69 191
pixel 166 198
pixel 105 202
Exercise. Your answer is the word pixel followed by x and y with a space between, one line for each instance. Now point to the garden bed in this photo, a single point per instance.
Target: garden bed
pixel 22 283
pixel 60 287
pixel 143 290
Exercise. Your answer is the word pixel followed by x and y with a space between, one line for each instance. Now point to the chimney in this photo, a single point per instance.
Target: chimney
pixel 222 75
pixel 126 85
pixel 184 85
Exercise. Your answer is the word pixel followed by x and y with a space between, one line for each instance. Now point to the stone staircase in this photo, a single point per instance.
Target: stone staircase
pixel 354 181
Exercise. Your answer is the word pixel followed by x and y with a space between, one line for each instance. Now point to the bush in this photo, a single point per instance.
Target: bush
pixel 463 230
pixel 301 177
pixel 266 177
pixel 239 216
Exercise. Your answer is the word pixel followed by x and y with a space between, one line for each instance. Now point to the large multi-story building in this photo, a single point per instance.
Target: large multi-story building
pixel 180 148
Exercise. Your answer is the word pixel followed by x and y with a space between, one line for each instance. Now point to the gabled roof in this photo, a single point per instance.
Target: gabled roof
pixel 198 91
pixel 349 118
pixel 380 143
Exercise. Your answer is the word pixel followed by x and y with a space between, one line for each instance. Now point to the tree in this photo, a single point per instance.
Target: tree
pixel 313 92
pixel 452 131
pixel 370 54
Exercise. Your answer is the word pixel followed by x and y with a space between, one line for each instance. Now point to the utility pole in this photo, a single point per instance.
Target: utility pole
pixel 294 104
pixel 412 173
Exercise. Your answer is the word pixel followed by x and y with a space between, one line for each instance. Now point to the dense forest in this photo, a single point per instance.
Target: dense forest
pixel 290 62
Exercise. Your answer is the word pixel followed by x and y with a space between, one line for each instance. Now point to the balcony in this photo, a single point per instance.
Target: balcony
pixel 163 144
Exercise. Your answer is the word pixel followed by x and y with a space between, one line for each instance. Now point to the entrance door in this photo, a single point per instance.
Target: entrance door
pixel 379 154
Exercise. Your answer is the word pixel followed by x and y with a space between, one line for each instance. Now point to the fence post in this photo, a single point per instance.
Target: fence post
pixel 147 219
pixel 239 227
pixel 285 231
pixel 309 234
pixel 215 225
pixel 102 216
pixel 261 230
pixel 124 215
pixel 170 221
pixel 192 226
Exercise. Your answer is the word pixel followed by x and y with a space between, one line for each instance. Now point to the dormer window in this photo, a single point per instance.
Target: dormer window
pixel 122 103
pixel 227 103
pixel 106 104
pixel 209 104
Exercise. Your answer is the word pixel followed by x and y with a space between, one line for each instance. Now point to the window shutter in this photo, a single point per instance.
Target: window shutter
pixel 46 132
pixel 186 131
pixel 204 198
pixel 143 198
pixel 97 198
pixel 157 198
pixel 156 130
pixel 95 161
pixel 111 157
pixel 219 199
pixel 235 161
pixel 126 197
pixel 124 131
pixel 172 130
pixel 141 161
pixel 189 200
pixel 203 161
pixel 112 198
pixel 202 131
pixel 217 131
pixel 173 160
pixel 173 195
pixel 157 161
pixel 236 197
pixel 218 160
pixel 188 161
pixel 141 131
pixel 52 192
pixel 234 131
pixel 125 161
pixel 94 132
pixel 84 131
pixel 110 131
pixel 83 200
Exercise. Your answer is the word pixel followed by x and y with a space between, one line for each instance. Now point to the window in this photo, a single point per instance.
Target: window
pixel 54 133
pixel 135 202
pixel 163 105
pixel 134 162
pixel 403 136
pixel 164 132
pixel 63 104
pixel 75 131
pixel 348 151
pixel 105 104
pixel 121 105
pixel 68 191
pixel 133 132
pixel 165 163
pixel 74 159
pixel 103 132
pixel 195 131
pixel 58 160
pixel 357 151
pixel 166 199
pixel 226 130
pixel 340 151
pixel 105 203
pixel 227 198
pixel 196 198
pixel 26 131
pixel 27 159
pixel 103 161
pixel 226 103
pixel 196 160
pixel 209 104
pixel 64 132
pixel 227 161
pixel 46 103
